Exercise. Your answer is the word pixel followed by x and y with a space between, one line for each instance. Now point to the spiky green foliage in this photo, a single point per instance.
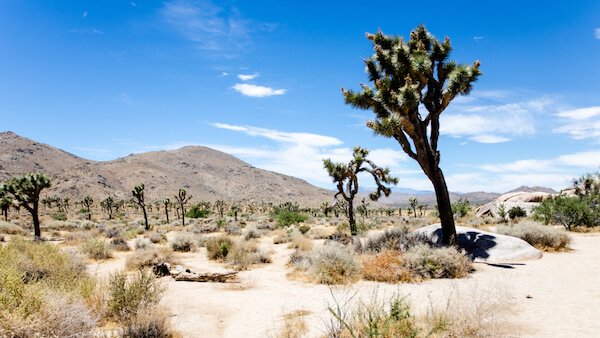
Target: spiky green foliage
pixel 138 195
pixel 107 204
pixel 413 205
pixel 87 202
pixel 345 177
pixel 406 75
pixel 26 189
pixel 182 198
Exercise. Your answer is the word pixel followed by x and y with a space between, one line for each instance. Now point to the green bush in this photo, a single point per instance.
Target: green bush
pixel 218 247
pixel 96 249
pixel 286 218
pixel 569 211
pixel 197 211
pixel 304 228
pixel 127 297
pixel 516 212
pixel 59 216
pixel 461 207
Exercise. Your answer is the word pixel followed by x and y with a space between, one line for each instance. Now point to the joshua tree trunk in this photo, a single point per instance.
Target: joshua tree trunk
pixel 444 207
pixel 351 219
pixel 167 213
pixel 37 232
pixel 5 213
pixel 147 226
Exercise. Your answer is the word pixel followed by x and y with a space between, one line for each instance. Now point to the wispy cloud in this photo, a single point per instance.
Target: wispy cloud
pixel 247 77
pixel 488 118
pixel 478 38
pixel 211 27
pixel 256 91
pixel 84 14
pixel 92 31
pixel 579 124
pixel 597 33
pixel 301 154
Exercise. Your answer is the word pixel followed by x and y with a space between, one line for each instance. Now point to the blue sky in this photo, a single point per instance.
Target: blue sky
pixel 261 80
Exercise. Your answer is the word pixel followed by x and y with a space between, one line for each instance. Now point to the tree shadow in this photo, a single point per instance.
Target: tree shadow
pixel 475 244
pixel 504 265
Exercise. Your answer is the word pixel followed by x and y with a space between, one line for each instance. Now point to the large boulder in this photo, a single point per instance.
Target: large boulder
pixel 525 200
pixel 484 246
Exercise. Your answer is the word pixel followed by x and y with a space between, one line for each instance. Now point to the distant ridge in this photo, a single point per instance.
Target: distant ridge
pixel 206 173
pixel 525 188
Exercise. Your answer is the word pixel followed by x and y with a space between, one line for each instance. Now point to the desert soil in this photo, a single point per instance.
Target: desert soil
pixel 556 296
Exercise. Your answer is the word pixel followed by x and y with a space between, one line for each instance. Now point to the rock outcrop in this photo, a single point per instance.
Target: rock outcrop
pixel 525 200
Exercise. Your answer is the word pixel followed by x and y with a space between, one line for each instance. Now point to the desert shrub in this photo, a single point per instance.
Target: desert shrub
pixel 333 264
pixel 376 318
pixel 157 238
pixel 2 239
pixel 112 232
pixel 251 233
pixel 461 207
pixel 397 239
pixel 183 243
pixel 243 254
pixel 119 244
pixel 11 229
pixel 142 243
pixel 218 247
pixel 569 211
pixel 128 296
pixel 206 228
pixel 286 218
pixel 386 266
pixel 233 229
pixel 516 212
pixel 542 237
pixel 77 237
pixel 59 216
pixel 148 258
pixel 304 228
pixel 151 323
pixel 266 226
pixel 299 242
pixel 426 262
pixel 197 211
pixel 96 249
pixel 39 285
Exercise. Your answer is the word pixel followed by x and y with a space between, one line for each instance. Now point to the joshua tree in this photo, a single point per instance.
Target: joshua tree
pixel 407 75
pixel 346 180
pixel 326 208
pixel 107 204
pixel 138 195
pixel 413 205
pixel 87 203
pixel 26 189
pixel 167 203
pixel 363 209
pixel 220 206
pixel 182 199
pixel 5 202
pixel 234 208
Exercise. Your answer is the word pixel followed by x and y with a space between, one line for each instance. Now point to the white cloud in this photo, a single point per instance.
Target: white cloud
pixel 256 91
pixel 223 74
pixel 597 33
pixel 301 154
pixel 247 77
pixel 492 123
pixel 582 123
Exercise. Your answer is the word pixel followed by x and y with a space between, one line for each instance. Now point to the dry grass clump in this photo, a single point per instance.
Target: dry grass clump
pixel 183 243
pixel 142 243
pixel 294 325
pixel 217 248
pixel 119 244
pixel 151 323
pixel 244 254
pixel 397 239
pixel 542 237
pixel 157 238
pixel 148 258
pixel 96 249
pixel 329 264
pixel 11 229
pixel 128 296
pixel 387 266
pixel 301 243
pixel 232 229
pixel 43 292
pixel 426 262
pixel 78 237
pixel 251 232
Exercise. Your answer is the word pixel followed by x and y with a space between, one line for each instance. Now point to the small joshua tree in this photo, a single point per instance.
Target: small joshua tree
pixel 413 83
pixel 138 195
pixel 345 176
pixel 166 203
pixel 325 208
pixel 182 199
pixel 26 189
pixel 220 206
pixel 413 205
pixel 5 202
pixel 108 204
pixel 87 203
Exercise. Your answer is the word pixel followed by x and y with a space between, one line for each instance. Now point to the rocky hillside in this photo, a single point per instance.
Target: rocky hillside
pixel 207 174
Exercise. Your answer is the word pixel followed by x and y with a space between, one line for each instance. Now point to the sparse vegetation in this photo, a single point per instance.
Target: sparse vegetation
pixel 218 247
pixel 542 237
pixel 184 243
pixel 148 258
pixel 96 249
pixel 426 262
pixel 329 264
pixel 516 212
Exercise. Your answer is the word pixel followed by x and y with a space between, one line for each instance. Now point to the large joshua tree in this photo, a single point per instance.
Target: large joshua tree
pixel 345 177
pixel 410 78
pixel 138 195
pixel 26 189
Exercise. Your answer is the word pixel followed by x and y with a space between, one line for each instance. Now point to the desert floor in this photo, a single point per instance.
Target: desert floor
pixel 556 296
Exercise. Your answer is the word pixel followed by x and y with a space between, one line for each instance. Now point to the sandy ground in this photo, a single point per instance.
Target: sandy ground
pixel 556 296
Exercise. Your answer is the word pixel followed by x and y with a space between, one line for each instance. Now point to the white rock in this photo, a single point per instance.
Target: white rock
pixel 483 246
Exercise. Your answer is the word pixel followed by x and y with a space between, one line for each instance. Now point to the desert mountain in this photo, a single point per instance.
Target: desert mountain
pixel 525 188
pixel 207 174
